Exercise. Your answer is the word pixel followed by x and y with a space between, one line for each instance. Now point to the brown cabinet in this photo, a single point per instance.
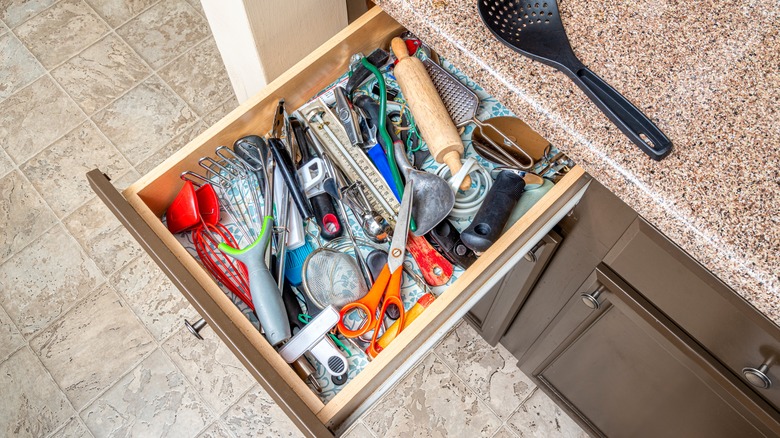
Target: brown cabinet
pixel 622 368
pixel 633 337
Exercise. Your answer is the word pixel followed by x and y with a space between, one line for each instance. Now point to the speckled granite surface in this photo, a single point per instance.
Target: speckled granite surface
pixel 709 76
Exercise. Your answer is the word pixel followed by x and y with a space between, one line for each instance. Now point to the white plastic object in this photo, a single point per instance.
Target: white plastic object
pixel 313 338
pixel 311 175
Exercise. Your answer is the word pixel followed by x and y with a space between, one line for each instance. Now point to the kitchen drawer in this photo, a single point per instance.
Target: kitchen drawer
pixel 140 206
pixel 719 319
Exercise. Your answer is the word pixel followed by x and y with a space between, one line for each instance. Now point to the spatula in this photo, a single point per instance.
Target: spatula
pixel 534 29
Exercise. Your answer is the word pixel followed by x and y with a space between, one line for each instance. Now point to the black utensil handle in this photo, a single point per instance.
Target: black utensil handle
pixel 292 308
pixel 491 218
pixel 445 238
pixel 634 124
pixel 285 164
pixel 326 216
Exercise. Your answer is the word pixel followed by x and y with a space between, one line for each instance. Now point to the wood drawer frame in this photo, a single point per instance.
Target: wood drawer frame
pixel 140 206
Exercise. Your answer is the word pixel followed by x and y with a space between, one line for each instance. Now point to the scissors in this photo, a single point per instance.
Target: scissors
pixel 387 286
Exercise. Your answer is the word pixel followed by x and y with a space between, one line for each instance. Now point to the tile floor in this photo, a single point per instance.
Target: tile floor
pixel 91 338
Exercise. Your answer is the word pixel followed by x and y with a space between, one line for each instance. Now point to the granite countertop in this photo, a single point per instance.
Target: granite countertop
pixel 709 76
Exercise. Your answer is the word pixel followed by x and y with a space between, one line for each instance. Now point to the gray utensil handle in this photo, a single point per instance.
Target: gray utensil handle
pixel 631 121
pixel 266 297
pixel 269 306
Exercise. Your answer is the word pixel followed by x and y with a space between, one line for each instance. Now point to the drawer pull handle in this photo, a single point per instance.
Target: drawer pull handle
pixel 592 299
pixel 196 327
pixel 757 376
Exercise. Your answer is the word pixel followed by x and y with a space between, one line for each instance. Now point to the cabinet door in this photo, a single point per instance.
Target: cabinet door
pixel 623 369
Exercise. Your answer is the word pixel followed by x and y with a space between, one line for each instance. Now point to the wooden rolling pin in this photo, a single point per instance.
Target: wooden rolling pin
pixel 430 114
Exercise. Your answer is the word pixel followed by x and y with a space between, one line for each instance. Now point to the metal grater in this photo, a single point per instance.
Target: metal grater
pixel 352 160
pixel 460 101
pixel 462 104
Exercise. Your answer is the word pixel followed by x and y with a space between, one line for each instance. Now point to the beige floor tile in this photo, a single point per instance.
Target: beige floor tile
pixel 159 305
pixel 199 77
pixel 101 73
pixel 165 31
pixel 18 67
pixel 23 214
pixel 211 367
pixel 216 430
pixel 431 402
pixel 197 5
pixel 10 338
pixel 222 110
pixel 256 414
pixel 116 12
pixel 3 28
pixel 61 31
pixel 45 279
pixel 93 344
pixel 148 116
pixel 358 430
pixel 178 142
pixel 58 171
pixel 6 165
pixel 14 12
pixel 23 115
pixel 540 417
pixel 101 235
pixel 491 372
pixel 32 404
pixel 153 400
pixel 73 429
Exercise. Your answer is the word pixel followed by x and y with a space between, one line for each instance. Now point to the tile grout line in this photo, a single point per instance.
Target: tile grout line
pixel 157 346
pixel 192 386
pixel 64 395
pixel 467 386
pixel 153 4
pixel 78 52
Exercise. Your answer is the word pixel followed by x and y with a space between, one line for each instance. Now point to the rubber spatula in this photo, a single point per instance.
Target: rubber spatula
pixel 534 29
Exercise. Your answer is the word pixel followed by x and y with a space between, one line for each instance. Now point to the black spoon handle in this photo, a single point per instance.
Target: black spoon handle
pixel 634 124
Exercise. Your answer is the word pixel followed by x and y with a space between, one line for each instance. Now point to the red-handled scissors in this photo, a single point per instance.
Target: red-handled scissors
pixel 386 288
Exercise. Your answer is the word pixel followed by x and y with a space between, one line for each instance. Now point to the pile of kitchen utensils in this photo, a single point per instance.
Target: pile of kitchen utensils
pixel 237 189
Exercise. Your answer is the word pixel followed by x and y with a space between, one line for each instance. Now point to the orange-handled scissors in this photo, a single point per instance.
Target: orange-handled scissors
pixel 386 288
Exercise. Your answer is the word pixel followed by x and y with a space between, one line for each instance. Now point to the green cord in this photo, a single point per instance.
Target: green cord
pixel 383 125
pixel 383 132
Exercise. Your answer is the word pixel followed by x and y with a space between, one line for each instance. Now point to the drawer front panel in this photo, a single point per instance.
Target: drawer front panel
pixel 494 313
pixel 725 324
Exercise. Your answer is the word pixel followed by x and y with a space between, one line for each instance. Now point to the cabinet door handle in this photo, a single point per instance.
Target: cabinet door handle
pixel 592 299
pixel 531 255
pixel 758 376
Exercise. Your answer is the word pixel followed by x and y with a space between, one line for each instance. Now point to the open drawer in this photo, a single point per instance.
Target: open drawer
pixel 140 206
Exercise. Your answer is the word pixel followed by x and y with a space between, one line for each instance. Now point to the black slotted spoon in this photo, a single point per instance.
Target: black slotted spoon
pixel 534 29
